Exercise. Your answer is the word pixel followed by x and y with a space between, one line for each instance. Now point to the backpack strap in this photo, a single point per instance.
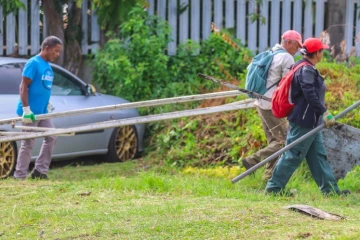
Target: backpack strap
pixel 274 84
pixel 276 52
pixel 295 68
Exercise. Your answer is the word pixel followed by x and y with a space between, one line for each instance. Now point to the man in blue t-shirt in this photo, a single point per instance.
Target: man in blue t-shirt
pixel 35 91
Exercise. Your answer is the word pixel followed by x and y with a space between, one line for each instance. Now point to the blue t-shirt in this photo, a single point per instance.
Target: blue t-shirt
pixel 41 75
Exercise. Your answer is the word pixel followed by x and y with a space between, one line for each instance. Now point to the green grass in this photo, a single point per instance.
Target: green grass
pixel 134 201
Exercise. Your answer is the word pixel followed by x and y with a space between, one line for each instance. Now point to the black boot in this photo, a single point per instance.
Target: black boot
pixel 35 174
pixel 246 164
pixel 344 192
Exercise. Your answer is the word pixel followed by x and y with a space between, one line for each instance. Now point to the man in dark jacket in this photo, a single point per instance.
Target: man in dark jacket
pixel 308 94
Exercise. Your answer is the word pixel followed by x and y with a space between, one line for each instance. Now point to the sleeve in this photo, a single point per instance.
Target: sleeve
pixel 307 85
pixel 30 70
pixel 288 61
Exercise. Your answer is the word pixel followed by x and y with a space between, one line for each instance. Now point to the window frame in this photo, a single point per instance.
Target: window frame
pixel 73 79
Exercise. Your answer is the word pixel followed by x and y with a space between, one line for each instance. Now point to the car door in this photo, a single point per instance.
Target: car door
pixel 10 79
pixel 68 93
pixel 11 75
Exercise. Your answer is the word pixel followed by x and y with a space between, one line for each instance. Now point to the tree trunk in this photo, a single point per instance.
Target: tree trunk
pixel 73 54
pixel 335 22
pixel 68 29
pixel 55 24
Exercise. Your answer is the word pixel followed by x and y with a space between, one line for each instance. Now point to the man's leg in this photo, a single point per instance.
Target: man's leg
pixel 278 130
pixel 290 160
pixel 275 131
pixel 24 154
pixel 42 163
pixel 319 166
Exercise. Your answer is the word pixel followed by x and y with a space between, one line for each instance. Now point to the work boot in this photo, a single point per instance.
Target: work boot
pixel 338 193
pixel 282 193
pixel 343 193
pixel 246 164
pixel 35 174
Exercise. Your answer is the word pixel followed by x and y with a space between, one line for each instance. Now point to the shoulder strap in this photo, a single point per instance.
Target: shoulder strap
pixel 274 84
pixel 295 68
pixel 278 51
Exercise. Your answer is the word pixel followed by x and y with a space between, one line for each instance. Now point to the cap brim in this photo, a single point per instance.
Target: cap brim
pixel 325 46
pixel 299 42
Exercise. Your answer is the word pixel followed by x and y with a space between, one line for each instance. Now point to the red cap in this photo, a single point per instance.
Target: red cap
pixel 313 45
pixel 292 35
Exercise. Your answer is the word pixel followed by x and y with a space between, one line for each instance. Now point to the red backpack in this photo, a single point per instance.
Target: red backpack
pixel 281 105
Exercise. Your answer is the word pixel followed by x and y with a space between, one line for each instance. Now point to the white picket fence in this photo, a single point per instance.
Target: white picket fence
pixel 191 19
pixel 23 38
pixel 352 33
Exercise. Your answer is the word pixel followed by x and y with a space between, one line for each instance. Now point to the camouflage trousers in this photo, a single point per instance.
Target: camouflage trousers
pixel 275 130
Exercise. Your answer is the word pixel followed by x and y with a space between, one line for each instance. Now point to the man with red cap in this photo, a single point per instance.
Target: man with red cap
pixel 308 94
pixel 274 128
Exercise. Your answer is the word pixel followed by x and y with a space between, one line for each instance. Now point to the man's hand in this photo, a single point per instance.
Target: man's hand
pixel 328 119
pixel 50 108
pixel 28 116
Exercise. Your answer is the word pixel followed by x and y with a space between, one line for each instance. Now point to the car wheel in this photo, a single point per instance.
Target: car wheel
pixel 123 145
pixel 8 155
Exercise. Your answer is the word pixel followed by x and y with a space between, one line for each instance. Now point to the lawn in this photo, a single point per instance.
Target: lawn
pixel 133 200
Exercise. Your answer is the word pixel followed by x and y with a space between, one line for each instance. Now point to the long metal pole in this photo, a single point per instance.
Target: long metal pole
pixel 22 133
pixel 131 121
pixel 149 103
pixel 291 145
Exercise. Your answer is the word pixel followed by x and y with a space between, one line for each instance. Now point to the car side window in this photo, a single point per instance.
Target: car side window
pixel 64 85
pixel 10 78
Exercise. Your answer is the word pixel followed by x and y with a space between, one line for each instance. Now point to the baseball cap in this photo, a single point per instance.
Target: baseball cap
pixel 292 35
pixel 313 45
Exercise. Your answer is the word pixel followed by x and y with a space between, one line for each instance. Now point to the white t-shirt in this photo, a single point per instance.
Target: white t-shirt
pixel 280 65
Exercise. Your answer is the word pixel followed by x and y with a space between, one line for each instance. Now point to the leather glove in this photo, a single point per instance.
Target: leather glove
pixel 328 119
pixel 28 116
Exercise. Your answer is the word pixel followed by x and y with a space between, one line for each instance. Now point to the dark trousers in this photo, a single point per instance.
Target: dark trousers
pixel 313 150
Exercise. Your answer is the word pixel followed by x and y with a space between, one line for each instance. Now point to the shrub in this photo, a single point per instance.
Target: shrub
pixel 134 63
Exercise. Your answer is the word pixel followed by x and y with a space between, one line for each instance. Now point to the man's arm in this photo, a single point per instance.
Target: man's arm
pixel 24 91
pixel 28 116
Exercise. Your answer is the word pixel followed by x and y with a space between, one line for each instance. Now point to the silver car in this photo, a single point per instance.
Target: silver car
pixel 69 93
